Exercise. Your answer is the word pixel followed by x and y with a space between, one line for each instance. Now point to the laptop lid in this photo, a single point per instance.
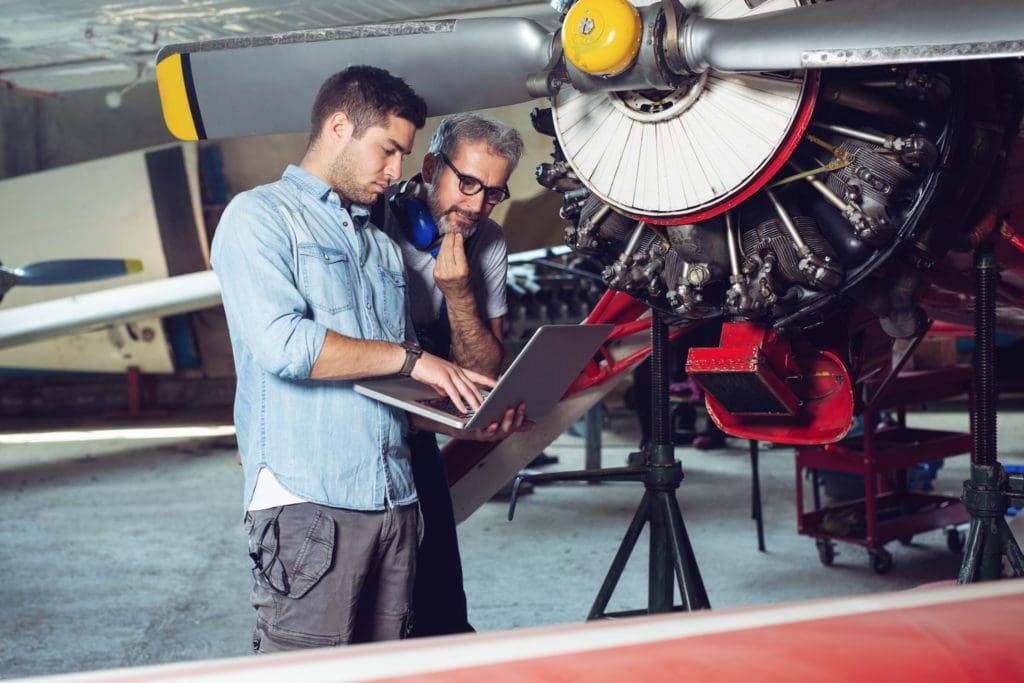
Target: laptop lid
pixel 539 376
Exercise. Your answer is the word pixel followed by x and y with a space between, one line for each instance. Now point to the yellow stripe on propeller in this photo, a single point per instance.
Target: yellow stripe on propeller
pixel 178 115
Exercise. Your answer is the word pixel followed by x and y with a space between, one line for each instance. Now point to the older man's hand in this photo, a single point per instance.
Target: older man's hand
pixel 514 420
pixel 451 270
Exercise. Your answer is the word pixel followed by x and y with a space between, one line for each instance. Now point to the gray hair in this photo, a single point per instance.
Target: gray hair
pixel 503 140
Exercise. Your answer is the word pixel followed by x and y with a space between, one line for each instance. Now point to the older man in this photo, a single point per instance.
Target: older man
pixel 455 262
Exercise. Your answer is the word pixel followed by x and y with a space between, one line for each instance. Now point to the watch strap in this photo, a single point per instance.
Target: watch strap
pixel 412 354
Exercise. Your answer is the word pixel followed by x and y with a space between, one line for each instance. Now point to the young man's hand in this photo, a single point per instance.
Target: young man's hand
pixel 459 384
pixel 451 270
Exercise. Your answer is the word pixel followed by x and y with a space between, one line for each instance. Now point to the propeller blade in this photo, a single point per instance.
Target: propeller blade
pixel 66 271
pixel 848 33
pixel 256 85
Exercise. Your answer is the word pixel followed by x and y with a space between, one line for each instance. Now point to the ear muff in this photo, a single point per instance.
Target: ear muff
pixel 420 226
pixel 409 207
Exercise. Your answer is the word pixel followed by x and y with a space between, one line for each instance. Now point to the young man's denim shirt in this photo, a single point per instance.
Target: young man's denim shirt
pixel 292 262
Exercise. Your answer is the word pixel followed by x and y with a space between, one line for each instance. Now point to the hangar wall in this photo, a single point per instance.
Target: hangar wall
pixel 40 133
pixel 109 208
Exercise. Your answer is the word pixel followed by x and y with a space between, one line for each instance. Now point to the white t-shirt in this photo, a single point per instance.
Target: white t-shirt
pixel 268 492
pixel 487 252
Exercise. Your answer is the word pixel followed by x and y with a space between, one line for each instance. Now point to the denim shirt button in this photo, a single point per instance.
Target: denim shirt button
pixel 369 306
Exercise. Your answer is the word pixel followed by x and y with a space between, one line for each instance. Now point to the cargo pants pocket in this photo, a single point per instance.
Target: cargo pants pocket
pixel 292 548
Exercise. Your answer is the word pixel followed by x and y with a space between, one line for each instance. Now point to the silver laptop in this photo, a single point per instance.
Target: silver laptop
pixel 538 376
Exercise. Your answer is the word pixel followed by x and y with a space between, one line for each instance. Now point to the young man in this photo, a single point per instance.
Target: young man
pixel 315 298
pixel 458 304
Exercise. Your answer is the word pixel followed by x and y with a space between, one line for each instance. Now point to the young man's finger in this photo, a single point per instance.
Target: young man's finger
pixel 453 395
pixel 475 389
pixel 470 394
pixel 480 380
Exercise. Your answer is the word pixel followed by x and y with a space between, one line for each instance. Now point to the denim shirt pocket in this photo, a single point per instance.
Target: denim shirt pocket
pixel 392 307
pixel 326 277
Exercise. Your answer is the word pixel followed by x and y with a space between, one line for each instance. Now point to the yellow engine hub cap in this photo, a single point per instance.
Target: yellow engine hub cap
pixel 602 37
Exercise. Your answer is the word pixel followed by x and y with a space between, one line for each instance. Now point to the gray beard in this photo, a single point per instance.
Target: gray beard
pixel 443 228
pixel 441 218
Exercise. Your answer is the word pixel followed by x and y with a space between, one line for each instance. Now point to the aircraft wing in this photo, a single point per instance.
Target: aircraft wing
pixel 939 633
pixel 179 294
pixel 170 296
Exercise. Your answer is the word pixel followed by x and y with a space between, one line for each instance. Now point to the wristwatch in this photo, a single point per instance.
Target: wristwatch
pixel 412 354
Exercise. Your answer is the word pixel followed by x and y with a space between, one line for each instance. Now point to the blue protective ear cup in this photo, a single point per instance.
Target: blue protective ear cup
pixel 421 228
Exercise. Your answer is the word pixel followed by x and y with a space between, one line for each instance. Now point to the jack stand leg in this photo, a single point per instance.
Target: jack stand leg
pixel 755 494
pixel 691 586
pixel 592 459
pixel 670 553
pixel 989 538
pixel 597 611
pixel 985 493
pixel 660 590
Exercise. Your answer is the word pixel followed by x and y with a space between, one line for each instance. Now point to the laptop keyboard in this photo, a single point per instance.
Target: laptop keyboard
pixel 445 405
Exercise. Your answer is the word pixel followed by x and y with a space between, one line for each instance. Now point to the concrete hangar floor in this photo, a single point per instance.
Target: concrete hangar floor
pixel 129 551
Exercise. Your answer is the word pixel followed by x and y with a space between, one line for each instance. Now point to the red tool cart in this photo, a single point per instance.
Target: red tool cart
pixel 889 510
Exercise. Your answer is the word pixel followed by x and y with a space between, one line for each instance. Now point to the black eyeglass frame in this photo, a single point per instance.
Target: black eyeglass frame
pixel 486 189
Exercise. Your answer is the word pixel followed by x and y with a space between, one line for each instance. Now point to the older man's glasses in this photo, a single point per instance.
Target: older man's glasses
pixel 468 185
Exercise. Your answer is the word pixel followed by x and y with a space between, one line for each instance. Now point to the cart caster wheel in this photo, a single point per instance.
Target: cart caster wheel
pixel 955 541
pixel 881 560
pixel 826 551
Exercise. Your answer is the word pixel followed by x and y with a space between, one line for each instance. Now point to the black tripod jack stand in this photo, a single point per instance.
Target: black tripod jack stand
pixel 671 554
pixel 990 490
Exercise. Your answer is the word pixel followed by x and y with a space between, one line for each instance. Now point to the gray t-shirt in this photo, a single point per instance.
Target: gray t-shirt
pixel 487 252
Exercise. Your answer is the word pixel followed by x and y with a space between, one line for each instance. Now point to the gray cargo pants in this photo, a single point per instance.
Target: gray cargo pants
pixel 326 576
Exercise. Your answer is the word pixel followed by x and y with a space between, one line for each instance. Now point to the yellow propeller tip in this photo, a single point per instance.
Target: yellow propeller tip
pixel 132 265
pixel 174 99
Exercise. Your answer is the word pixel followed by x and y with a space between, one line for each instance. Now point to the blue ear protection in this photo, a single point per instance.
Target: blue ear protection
pixel 420 226
pixel 412 213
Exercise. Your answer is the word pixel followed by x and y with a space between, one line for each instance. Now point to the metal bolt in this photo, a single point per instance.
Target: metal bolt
pixel 586 26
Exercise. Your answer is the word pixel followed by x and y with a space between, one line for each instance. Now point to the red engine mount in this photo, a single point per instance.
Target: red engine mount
pixel 759 385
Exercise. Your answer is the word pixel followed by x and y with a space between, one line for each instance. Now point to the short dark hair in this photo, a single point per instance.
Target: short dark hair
pixel 368 95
